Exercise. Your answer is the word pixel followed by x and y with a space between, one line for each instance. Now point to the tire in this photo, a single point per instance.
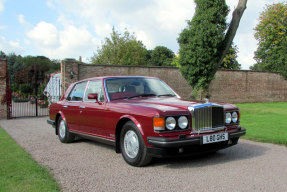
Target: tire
pixel 63 133
pixel 133 147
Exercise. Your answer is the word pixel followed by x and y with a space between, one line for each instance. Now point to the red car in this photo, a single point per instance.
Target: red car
pixel 143 118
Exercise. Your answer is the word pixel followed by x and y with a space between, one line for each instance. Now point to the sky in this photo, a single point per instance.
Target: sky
pixel 61 29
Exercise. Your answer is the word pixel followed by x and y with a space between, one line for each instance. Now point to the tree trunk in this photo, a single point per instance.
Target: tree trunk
pixel 236 16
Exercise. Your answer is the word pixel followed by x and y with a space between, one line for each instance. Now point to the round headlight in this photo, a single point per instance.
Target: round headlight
pixel 170 123
pixel 234 117
pixel 182 122
pixel 227 118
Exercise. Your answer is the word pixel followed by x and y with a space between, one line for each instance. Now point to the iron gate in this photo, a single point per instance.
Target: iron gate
pixel 36 105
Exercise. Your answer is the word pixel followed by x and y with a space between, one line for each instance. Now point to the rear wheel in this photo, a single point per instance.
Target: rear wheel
pixel 63 133
pixel 133 147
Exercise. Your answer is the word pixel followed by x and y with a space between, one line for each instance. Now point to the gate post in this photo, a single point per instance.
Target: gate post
pixel 69 73
pixel 5 93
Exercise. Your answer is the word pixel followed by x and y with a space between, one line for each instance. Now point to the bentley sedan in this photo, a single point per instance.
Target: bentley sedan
pixel 143 118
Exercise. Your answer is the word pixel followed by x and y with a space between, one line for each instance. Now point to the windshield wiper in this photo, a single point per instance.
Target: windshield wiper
pixel 166 95
pixel 142 95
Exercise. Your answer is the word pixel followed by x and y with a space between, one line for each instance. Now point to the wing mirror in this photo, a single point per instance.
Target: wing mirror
pixel 93 96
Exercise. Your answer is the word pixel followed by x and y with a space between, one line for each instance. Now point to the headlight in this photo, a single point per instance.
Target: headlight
pixel 234 117
pixel 227 118
pixel 182 122
pixel 170 123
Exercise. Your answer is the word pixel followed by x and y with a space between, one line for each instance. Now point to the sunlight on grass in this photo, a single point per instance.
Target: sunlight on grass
pixel 265 122
pixel 19 172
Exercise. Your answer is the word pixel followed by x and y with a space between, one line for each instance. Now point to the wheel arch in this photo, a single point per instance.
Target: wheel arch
pixel 59 114
pixel 120 125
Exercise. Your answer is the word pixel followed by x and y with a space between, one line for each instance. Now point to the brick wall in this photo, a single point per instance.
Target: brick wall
pixel 248 86
pixel 228 86
pixel 3 69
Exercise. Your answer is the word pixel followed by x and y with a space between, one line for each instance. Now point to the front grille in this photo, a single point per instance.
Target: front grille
pixel 207 117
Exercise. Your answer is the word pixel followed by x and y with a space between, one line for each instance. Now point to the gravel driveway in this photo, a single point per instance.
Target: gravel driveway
pixel 90 166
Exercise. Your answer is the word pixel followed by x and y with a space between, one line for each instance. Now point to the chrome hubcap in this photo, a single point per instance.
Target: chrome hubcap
pixel 62 129
pixel 131 144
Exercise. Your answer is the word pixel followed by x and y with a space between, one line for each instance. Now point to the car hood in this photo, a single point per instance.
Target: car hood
pixel 168 103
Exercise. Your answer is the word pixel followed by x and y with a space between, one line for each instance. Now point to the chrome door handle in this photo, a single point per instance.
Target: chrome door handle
pixel 82 107
pixel 65 106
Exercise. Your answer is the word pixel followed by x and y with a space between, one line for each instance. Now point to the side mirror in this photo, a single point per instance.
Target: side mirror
pixel 93 96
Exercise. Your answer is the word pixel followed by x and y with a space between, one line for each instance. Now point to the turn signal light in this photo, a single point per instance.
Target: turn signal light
pixel 159 123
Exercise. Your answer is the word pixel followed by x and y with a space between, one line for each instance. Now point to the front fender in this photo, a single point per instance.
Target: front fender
pixel 135 121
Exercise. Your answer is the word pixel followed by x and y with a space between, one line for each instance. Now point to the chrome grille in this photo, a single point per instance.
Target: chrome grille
pixel 207 117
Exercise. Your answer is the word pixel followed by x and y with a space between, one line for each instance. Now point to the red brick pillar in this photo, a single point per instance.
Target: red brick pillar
pixel 3 103
pixel 69 73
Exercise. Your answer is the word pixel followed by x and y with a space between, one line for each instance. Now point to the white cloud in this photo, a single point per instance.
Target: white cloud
pixel 22 21
pixel 69 42
pixel 45 35
pixel 2 5
pixel 155 22
pixel 247 45
pixel 10 46
pixel 103 29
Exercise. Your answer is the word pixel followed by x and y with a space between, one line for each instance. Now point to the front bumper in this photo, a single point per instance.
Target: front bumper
pixel 164 147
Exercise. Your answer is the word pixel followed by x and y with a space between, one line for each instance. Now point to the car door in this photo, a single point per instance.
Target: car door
pixel 93 116
pixel 73 107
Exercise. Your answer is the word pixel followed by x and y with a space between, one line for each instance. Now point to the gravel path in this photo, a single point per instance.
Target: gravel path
pixel 90 166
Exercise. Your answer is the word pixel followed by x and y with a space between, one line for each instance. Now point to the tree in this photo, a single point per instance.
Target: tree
pixel 121 50
pixel 162 56
pixel 271 34
pixel 230 60
pixel 204 43
pixel 2 55
pixel 200 42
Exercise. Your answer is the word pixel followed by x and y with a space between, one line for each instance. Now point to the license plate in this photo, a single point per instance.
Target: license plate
pixel 214 138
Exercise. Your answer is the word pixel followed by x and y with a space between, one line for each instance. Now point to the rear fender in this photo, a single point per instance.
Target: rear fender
pixel 60 114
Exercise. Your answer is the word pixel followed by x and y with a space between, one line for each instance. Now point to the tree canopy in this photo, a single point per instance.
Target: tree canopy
pixel 22 71
pixel 120 49
pixel 230 60
pixel 162 56
pixel 271 54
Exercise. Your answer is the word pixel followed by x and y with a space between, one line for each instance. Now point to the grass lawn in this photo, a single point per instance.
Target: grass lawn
pixel 19 172
pixel 265 122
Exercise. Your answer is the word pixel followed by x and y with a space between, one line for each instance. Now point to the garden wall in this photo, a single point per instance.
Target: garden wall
pixel 3 70
pixel 229 86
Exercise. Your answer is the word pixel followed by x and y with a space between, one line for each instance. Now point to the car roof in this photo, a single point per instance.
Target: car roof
pixel 113 77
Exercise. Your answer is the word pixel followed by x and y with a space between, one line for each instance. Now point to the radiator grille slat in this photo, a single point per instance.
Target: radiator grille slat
pixel 207 117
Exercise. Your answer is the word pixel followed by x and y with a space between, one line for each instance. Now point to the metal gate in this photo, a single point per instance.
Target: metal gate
pixel 36 105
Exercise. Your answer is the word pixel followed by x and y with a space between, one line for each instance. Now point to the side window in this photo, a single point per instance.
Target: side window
pixel 95 87
pixel 78 92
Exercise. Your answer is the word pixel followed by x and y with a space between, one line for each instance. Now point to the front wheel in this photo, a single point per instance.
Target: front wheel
pixel 63 133
pixel 133 147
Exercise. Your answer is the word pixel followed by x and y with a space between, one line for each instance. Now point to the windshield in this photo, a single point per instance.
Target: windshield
pixel 130 87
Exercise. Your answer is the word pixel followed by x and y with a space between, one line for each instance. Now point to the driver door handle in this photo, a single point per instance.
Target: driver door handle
pixel 82 107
